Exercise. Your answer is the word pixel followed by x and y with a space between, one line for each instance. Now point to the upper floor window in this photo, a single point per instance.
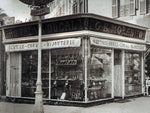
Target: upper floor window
pixel 78 6
pixel 123 8
pixel 144 6
pixel 81 6
pixel 75 7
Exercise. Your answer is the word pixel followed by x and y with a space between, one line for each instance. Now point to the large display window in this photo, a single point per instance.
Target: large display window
pixel 29 73
pixel 63 73
pixel 67 74
pixel 133 84
pixel 99 77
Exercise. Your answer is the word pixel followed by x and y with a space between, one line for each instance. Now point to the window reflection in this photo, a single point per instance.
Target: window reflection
pixel 99 79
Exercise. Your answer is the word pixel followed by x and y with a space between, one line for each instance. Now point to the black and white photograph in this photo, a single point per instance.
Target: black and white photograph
pixel 74 56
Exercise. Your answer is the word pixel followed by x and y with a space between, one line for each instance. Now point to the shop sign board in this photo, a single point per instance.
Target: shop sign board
pixel 45 45
pixel 76 24
pixel 40 11
pixel 117 44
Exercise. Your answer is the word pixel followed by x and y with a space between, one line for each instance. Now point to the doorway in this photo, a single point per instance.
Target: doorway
pixel 14 75
pixel 117 73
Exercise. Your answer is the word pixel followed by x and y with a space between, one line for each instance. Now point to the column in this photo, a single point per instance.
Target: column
pixel 123 74
pixel 85 56
pixel 142 72
pixel 50 74
pixel 112 70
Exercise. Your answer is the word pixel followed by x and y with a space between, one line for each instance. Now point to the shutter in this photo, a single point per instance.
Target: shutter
pixel 127 8
pixel 132 7
pixel 148 6
pixel 115 8
pixel 122 10
pixel 137 4
pixel 142 6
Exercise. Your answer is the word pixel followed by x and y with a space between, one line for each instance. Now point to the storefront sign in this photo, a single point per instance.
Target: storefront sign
pixel 76 24
pixel 45 45
pixel 40 12
pixel 117 44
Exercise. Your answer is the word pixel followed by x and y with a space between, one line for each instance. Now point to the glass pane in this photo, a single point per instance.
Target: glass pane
pixel 29 73
pixel 99 79
pixel 67 74
pixel 45 73
pixel 29 70
pixel 132 73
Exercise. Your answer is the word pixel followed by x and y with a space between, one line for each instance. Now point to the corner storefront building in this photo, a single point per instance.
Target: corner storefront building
pixel 85 58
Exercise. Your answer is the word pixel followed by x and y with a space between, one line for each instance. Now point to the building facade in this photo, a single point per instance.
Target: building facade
pixel 85 58
pixel 66 7
pixel 136 12
pixel 132 11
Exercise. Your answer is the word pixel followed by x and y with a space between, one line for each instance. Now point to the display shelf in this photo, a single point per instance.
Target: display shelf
pixel 133 84
pixel 96 79
pixel 43 72
pixel 67 79
pixel 98 88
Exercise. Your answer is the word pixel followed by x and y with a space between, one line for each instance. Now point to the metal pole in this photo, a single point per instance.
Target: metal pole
pixel 38 107
pixel 50 74
pixel 85 67
pixel 112 70
pixel 142 72
pixel 123 74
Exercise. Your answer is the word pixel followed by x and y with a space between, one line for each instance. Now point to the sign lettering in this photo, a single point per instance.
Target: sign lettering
pixel 76 24
pixel 117 44
pixel 40 11
pixel 45 45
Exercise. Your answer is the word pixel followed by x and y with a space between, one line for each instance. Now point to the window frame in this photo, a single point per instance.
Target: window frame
pixel 128 8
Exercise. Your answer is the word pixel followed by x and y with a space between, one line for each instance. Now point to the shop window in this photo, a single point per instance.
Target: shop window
pixel 99 79
pixel 29 73
pixel 67 74
pixel 132 73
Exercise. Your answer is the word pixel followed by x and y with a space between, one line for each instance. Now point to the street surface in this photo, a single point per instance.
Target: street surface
pixel 134 105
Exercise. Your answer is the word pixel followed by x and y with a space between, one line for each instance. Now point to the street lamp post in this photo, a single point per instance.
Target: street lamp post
pixel 38 108
pixel 40 9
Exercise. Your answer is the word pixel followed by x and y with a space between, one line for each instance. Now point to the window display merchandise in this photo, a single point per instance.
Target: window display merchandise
pixel 67 74
pixel 99 79
pixel 29 73
pixel 132 73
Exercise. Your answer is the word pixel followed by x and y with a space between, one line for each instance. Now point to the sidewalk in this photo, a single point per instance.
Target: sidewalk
pixel 135 105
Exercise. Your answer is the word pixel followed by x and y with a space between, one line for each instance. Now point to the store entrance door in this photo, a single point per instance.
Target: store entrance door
pixel 117 73
pixel 15 74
